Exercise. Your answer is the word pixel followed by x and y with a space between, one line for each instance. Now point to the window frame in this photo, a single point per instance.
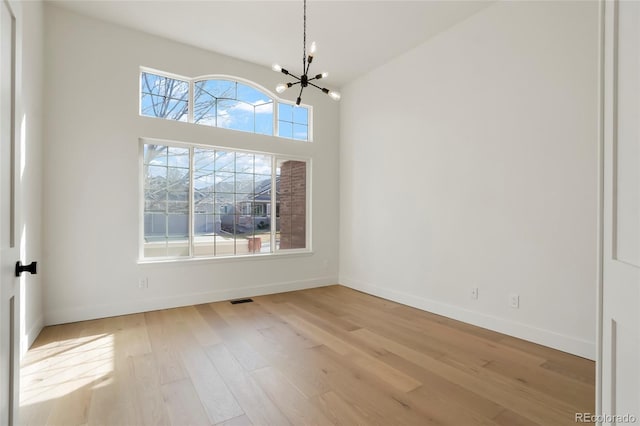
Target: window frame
pixel 191 101
pixel 276 129
pixel 275 158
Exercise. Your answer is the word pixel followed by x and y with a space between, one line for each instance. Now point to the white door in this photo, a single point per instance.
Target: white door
pixel 620 322
pixel 9 305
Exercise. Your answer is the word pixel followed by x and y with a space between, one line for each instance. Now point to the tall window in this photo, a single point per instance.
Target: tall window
pixel 222 102
pixel 209 202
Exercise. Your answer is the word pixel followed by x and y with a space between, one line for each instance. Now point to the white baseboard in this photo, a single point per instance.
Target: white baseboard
pixel 572 345
pixel 31 335
pixel 544 337
pixel 84 313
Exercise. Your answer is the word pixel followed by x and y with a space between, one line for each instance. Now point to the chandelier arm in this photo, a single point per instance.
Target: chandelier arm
pixel 299 96
pixel 317 87
pixel 306 71
pixel 295 76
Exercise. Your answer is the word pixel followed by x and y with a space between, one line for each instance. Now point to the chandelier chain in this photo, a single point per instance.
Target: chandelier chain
pixel 304 35
pixel 304 80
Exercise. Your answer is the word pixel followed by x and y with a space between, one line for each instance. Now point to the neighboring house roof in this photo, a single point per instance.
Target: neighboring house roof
pixel 263 190
pixel 262 194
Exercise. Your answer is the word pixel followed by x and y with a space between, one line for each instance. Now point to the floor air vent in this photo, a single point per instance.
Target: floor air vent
pixel 235 302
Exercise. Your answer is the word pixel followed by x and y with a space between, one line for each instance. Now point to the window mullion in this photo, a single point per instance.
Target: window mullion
pixel 276 108
pixel 216 110
pixel 141 201
pixel 274 209
pixel 235 205
pixel 310 124
pixel 216 208
pixel 191 202
pixel 191 117
pixel 166 212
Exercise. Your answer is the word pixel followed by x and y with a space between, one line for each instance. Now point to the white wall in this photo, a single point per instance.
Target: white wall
pixel 29 79
pixel 470 161
pixel 91 176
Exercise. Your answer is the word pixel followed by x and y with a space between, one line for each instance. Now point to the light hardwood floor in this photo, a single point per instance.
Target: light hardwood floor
pixel 323 356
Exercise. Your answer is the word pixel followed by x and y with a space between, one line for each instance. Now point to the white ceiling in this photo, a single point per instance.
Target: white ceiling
pixel 352 36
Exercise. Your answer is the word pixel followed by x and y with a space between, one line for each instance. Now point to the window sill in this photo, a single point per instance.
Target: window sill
pixel 243 258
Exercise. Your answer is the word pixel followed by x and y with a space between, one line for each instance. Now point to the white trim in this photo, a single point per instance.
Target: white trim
pixel 163 73
pixel 308 207
pixel 310 123
pixel 190 107
pixel 84 313
pixel 233 258
pixel 276 124
pixel 191 220
pixel 30 337
pixel 140 199
pixel 600 212
pixel 182 144
pixel 274 205
pixel 541 336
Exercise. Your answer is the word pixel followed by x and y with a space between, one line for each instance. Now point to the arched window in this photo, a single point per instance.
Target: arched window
pixel 221 101
pixel 232 105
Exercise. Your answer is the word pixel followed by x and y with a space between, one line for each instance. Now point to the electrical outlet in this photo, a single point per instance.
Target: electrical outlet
pixel 143 282
pixel 474 293
pixel 514 301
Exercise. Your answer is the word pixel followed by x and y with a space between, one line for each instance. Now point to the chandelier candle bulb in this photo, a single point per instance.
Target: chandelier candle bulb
pixel 276 67
pixel 281 87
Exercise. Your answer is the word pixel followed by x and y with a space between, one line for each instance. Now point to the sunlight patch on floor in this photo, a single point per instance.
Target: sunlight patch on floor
pixel 59 368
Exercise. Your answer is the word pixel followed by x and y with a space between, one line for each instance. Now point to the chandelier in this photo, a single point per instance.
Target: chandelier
pixel 304 79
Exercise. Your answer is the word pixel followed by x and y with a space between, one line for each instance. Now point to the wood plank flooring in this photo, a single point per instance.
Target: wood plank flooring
pixel 315 357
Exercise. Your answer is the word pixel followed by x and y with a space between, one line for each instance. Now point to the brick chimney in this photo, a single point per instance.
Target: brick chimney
pixel 293 204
